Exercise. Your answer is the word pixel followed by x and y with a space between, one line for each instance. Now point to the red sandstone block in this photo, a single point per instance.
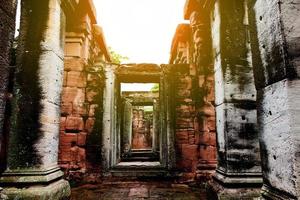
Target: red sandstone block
pixel 74 64
pixel 76 79
pixel 197 137
pixel 203 125
pixel 74 123
pixel 212 139
pixel 207 152
pixel 73 155
pixel 182 137
pixel 66 108
pixel 184 123
pixel 65 79
pixel 208 110
pixel 184 165
pixel 191 134
pixel 196 124
pixel 80 109
pixel 204 138
pixel 185 82
pixel 190 152
pixel 211 124
pixel 72 94
pixel 90 95
pixel 81 155
pixel 62 124
pixel 67 139
pixel 212 153
pixel 89 124
pixel 92 110
pixel 65 156
pixel 81 139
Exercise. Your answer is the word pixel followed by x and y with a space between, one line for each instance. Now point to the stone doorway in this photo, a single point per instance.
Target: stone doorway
pixel 138 126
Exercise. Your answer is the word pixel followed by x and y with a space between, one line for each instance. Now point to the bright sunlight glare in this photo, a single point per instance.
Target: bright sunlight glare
pixel 141 30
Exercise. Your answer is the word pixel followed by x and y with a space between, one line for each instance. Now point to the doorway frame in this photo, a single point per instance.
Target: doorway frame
pixel 117 74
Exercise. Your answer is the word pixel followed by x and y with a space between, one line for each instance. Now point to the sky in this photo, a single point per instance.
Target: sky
pixel 141 30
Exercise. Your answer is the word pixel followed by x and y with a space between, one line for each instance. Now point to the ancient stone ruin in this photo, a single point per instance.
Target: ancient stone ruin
pixel 224 117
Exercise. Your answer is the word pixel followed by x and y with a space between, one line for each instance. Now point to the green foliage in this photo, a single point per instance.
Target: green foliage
pixel 155 88
pixel 117 58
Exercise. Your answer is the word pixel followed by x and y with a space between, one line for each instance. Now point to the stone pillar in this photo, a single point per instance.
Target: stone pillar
pixel 238 172
pixel 204 95
pixel 155 141
pixel 127 127
pixel 109 120
pixel 7 27
pixel 32 171
pixel 278 88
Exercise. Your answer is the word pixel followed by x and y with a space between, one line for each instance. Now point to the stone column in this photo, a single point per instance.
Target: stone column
pixel 199 17
pixel 109 119
pixel 278 88
pixel 7 27
pixel 127 127
pixel 32 171
pixel 238 172
pixel 155 141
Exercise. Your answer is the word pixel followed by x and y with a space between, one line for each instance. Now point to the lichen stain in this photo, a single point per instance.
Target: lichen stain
pixel 25 125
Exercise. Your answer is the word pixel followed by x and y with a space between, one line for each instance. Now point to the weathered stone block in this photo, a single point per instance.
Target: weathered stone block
pixel 238 142
pixel 72 94
pixel 89 124
pixel 190 152
pixel 279 124
pixel 66 108
pixel 80 109
pixel 63 123
pixel 182 136
pixel 74 64
pixel 90 95
pixel 73 49
pixel 81 139
pixel 279 20
pixel 92 110
pixel 66 139
pixel 74 123
pixel 76 79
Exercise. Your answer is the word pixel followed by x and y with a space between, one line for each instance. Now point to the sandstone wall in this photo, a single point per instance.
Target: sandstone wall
pixel 195 136
pixel 82 99
pixel 142 130
pixel 195 112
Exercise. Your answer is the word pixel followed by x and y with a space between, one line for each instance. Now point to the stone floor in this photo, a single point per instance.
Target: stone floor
pixel 138 190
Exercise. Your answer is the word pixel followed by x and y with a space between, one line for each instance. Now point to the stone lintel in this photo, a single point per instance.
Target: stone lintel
pixel 141 98
pixel 138 73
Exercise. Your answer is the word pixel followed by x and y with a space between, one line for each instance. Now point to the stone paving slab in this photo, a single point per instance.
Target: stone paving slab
pixel 137 191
